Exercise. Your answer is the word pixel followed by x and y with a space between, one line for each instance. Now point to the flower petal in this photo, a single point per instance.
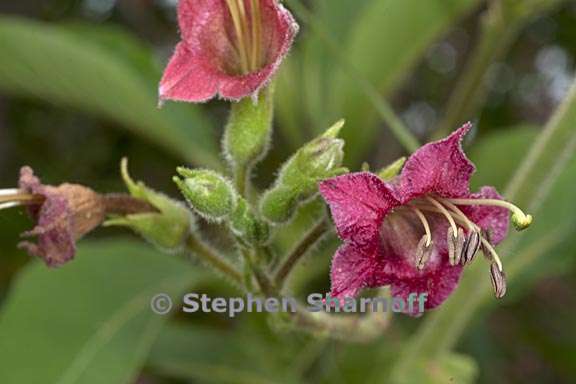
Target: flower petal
pixel 352 269
pixel 56 243
pixel 437 284
pixel 358 202
pixel 186 78
pixel 440 167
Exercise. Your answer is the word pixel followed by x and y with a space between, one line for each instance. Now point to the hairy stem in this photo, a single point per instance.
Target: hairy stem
pixel 299 251
pixel 213 259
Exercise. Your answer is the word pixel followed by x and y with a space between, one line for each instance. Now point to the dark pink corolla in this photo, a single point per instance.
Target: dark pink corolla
pixel 416 232
pixel 229 48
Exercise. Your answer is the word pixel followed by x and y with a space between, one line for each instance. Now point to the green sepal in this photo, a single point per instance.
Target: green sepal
pixel 298 179
pixel 167 229
pixel 392 170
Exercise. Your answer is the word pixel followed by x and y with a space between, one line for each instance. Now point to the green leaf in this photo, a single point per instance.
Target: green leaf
pixel 90 321
pixel 448 368
pixel 379 52
pixel 104 72
pixel 197 352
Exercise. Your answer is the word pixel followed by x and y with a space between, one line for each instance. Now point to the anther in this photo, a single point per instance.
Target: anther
pixel 423 251
pixel 471 247
pixel 455 245
pixel 498 278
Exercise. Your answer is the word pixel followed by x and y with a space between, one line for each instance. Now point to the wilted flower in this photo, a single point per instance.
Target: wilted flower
pixel 229 48
pixel 416 232
pixel 63 214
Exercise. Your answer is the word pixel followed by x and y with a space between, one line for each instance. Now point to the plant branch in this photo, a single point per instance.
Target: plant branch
pixel 213 259
pixel 299 251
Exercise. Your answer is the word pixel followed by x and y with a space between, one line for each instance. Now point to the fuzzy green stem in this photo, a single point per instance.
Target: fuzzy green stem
pixel 213 259
pixel 299 251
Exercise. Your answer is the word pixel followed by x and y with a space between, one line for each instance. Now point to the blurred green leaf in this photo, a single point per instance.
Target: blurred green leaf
pixel 101 71
pixel 387 39
pixel 510 143
pixel 90 321
pixel 199 353
pixel 448 368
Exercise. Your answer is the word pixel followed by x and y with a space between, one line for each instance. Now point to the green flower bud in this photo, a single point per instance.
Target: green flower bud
pixel 298 180
pixel 247 135
pixel 392 170
pixel 168 228
pixel 246 225
pixel 208 193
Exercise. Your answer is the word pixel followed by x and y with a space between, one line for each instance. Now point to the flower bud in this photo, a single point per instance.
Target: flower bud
pixel 207 192
pixel 318 160
pixel 167 228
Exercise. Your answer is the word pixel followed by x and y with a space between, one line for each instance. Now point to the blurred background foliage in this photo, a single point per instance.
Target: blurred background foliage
pixel 78 85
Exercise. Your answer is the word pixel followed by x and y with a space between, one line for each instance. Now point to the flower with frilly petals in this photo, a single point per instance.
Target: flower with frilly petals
pixel 229 48
pixel 416 232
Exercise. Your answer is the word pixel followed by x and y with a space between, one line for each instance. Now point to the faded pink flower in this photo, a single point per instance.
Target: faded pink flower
pixel 229 48
pixel 416 232
pixel 63 214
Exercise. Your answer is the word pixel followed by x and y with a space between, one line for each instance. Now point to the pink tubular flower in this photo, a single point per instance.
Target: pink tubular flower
pixel 417 232
pixel 229 48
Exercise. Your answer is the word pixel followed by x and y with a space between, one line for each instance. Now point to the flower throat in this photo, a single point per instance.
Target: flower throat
pixel 247 23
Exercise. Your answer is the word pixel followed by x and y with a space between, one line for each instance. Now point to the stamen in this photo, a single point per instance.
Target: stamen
pixel 256 20
pixel 494 256
pixel 9 191
pixel 455 245
pixel 471 247
pixel 423 251
pixel 14 197
pixel 239 21
pixel 425 224
pixel 519 218
pixel 498 278
pixel 447 214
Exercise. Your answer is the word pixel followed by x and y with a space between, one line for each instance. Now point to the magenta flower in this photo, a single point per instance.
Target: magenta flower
pixel 416 232
pixel 229 48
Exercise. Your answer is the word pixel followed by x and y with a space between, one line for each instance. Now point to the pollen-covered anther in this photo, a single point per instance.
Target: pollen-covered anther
pixel 423 251
pixel 471 247
pixel 455 245
pixel 498 278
